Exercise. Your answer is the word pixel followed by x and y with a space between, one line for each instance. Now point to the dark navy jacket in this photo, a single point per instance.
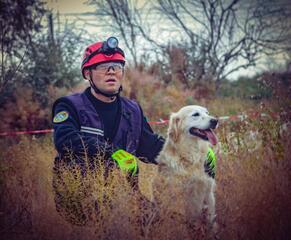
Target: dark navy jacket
pixel 110 126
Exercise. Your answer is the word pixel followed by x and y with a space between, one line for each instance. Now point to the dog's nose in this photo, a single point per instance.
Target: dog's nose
pixel 213 123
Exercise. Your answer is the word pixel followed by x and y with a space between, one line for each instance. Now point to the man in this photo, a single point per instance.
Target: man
pixel 99 119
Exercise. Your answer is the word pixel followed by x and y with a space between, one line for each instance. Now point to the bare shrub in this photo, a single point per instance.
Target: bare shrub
pixel 23 112
pixel 280 85
pixel 252 192
pixel 97 198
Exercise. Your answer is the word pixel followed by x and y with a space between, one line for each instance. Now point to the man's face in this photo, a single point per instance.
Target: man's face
pixel 107 77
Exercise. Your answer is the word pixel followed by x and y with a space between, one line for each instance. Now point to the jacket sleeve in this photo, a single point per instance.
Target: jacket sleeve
pixel 150 143
pixel 69 139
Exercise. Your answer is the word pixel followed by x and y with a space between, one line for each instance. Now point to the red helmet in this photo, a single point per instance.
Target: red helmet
pixel 100 52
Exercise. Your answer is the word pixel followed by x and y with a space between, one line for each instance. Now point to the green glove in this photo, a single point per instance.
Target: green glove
pixel 126 161
pixel 210 164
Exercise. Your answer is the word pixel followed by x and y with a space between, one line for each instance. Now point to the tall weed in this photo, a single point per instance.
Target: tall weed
pixel 253 178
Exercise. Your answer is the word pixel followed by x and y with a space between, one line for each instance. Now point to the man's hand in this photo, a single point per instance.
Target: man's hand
pixel 126 161
pixel 210 163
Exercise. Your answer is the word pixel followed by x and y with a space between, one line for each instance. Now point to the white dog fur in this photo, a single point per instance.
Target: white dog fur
pixel 181 185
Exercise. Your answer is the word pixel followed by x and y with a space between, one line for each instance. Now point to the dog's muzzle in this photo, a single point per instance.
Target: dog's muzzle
pixel 206 134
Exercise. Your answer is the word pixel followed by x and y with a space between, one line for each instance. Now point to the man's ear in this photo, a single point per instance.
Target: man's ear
pixel 87 74
pixel 174 128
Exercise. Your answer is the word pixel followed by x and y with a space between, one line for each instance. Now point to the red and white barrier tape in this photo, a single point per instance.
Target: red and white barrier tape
pixel 26 132
pixel 240 117
pixel 161 122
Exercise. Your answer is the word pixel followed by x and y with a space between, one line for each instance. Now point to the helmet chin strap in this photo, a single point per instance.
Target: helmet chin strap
pixel 98 91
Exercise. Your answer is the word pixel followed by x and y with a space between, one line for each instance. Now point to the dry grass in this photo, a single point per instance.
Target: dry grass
pixel 253 192
pixel 253 181
pixel 253 178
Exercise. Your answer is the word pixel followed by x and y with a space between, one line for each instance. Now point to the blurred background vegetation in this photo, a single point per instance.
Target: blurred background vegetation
pixel 40 57
pixel 186 54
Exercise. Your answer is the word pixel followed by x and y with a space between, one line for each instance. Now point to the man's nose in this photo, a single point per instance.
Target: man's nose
pixel 111 69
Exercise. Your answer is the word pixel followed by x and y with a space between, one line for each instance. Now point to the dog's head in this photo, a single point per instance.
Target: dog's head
pixel 194 122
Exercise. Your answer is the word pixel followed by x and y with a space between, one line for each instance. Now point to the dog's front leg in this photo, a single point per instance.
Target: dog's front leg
pixel 210 204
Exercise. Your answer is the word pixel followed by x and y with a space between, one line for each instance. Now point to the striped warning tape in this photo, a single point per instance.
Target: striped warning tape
pixel 26 132
pixel 240 117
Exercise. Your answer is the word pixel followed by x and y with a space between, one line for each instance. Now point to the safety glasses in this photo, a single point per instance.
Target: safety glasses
pixel 105 67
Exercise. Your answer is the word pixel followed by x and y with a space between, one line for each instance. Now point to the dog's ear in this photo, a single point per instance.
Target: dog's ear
pixel 174 127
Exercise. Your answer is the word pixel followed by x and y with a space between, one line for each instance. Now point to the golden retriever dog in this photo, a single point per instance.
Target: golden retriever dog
pixel 181 185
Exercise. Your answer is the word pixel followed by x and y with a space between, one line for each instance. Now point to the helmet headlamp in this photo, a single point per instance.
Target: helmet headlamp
pixel 109 47
pixel 111 43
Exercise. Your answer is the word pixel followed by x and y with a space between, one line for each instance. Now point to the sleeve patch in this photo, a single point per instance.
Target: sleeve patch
pixel 61 117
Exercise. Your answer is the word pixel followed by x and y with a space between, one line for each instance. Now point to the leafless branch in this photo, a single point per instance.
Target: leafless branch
pixel 215 34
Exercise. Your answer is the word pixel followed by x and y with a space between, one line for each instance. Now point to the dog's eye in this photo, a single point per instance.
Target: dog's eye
pixel 196 115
